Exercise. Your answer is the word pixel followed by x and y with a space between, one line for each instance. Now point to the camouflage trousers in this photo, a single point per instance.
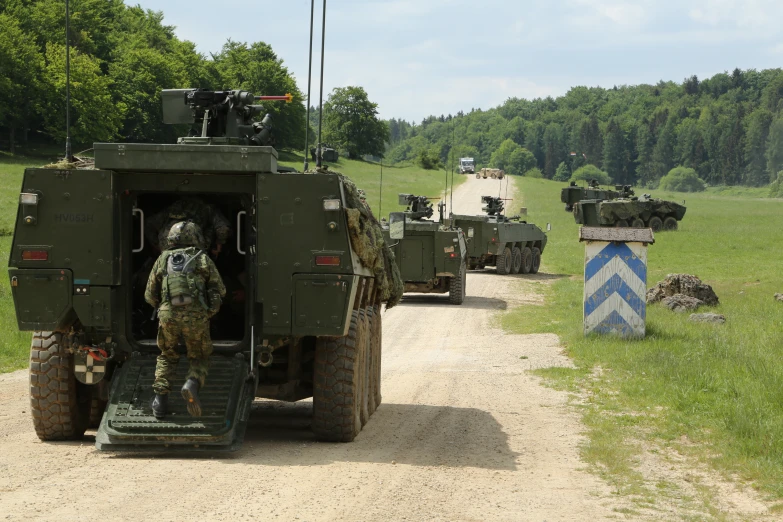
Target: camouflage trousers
pixel 194 331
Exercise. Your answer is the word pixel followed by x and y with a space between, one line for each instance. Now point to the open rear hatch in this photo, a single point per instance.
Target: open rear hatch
pixel 129 425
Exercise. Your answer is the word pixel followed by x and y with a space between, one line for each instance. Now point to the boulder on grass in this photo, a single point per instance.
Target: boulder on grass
pixel 684 284
pixel 708 318
pixel 682 303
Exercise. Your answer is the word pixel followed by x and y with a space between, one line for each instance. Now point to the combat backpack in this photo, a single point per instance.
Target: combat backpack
pixel 181 285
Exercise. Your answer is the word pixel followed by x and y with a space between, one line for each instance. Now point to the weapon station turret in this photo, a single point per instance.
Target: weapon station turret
pixel 219 117
pixel 418 207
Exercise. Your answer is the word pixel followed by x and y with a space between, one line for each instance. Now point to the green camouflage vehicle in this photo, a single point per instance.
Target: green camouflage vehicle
pixel 511 245
pixel 573 194
pixel 307 270
pixel 329 153
pixel 630 211
pixel 431 257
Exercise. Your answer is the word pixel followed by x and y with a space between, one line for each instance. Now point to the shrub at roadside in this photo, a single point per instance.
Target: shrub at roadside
pixel 535 172
pixel 682 179
pixel 776 187
pixel 589 172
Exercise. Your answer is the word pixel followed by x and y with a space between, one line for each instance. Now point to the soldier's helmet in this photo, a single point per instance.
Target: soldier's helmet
pixel 185 233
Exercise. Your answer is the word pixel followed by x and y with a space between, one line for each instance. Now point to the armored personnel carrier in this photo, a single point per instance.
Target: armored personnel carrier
pixel 490 173
pixel 307 272
pixel 628 210
pixel 431 257
pixel 511 245
pixel 573 194
pixel 327 153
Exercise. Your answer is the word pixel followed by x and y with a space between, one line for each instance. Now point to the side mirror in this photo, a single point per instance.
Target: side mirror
pixel 548 227
pixel 397 225
pixel 470 232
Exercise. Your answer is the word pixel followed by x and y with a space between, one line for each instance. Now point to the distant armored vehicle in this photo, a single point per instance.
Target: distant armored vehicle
pixel 467 166
pixel 490 173
pixel 573 194
pixel 511 245
pixel 328 153
pixel 306 276
pixel 629 211
pixel 432 256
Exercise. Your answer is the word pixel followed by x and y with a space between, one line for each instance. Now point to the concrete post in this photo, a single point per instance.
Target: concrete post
pixel 615 280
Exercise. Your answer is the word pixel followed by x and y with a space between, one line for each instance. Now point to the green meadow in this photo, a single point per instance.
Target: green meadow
pixel 715 391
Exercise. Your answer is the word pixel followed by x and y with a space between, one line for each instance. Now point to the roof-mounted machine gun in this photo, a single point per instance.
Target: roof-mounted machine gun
pixel 219 117
pixel 625 191
pixel 418 207
pixel 494 206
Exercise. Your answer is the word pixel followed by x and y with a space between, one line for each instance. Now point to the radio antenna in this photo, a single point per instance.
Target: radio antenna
pixel 319 147
pixel 309 84
pixel 506 198
pixel 451 200
pixel 380 192
pixel 68 155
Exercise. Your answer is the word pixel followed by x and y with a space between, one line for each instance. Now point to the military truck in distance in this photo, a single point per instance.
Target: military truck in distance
pixel 328 153
pixel 628 210
pixel 432 256
pixel 467 166
pixel 573 194
pixel 302 316
pixel 511 245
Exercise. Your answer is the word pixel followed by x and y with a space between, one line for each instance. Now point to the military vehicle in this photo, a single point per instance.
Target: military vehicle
pixel 306 275
pixel 467 166
pixel 573 194
pixel 431 257
pixel 490 173
pixel 628 210
pixel 327 153
pixel 511 245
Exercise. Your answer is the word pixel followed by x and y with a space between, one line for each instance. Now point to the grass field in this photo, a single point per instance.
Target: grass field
pixel 15 346
pixel 718 386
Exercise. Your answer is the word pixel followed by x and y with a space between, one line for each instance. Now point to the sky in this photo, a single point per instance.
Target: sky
pixel 417 58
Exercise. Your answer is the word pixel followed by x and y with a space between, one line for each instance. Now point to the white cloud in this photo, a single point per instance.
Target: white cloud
pixel 777 49
pixel 749 15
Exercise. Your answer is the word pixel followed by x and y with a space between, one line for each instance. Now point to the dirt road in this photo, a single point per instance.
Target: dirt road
pixel 464 433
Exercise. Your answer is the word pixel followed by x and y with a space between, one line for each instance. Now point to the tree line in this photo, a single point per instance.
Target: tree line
pixel 728 128
pixel 121 58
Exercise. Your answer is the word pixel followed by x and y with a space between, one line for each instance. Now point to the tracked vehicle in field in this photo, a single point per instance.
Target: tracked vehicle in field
pixel 307 271
pixel 432 256
pixel 627 210
pixel 511 245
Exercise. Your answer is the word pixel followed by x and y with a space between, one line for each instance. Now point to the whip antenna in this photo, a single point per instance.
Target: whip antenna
pixel 309 83
pixel 451 201
pixel 506 198
pixel 321 97
pixel 380 192
pixel 68 155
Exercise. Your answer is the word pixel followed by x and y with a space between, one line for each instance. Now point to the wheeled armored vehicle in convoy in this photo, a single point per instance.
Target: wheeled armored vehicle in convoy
pixel 432 256
pixel 573 194
pixel 490 173
pixel 628 210
pixel 306 283
pixel 511 245
pixel 327 153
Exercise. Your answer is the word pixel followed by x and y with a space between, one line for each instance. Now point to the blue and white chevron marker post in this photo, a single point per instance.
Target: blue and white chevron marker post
pixel 616 281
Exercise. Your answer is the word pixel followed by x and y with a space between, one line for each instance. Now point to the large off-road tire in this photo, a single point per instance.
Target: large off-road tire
pixel 622 223
pixel 569 208
pixel 377 338
pixel 97 406
pixel 527 260
pixel 670 223
pixel 457 286
pixel 60 405
pixel 363 358
pixel 536 265
pixel 478 176
pixel 337 386
pixel 375 358
pixel 503 263
pixel 637 222
pixel 655 223
pixel 516 260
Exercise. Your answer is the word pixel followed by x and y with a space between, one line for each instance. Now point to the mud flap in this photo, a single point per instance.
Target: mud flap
pixel 129 425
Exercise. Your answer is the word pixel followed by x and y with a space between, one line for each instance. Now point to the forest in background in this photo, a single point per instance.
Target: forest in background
pixel 121 58
pixel 728 128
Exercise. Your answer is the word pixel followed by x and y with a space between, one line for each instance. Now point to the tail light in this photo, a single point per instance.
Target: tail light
pixel 327 260
pixel 35 255
pixel 453 254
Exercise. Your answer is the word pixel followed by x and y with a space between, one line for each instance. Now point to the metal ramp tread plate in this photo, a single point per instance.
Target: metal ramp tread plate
pixel 128 422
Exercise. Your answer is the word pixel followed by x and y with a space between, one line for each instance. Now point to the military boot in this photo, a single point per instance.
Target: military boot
pixel 190 394
pixel 160 405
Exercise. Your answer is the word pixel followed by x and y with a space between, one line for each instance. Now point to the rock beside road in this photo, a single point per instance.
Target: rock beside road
pixel 778 297
pixel 681 303
pixel 707 318
pixel 685 284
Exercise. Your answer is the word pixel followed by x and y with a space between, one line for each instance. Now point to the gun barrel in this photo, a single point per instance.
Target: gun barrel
pixel 288 98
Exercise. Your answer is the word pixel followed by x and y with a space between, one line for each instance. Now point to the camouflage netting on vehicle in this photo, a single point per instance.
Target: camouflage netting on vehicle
pixel 684 284
pixel 612 211
pixel 368 243
pixel 78 163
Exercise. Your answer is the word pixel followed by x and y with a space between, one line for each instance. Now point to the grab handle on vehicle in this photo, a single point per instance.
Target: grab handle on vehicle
pixel 239 231
pixel 140 212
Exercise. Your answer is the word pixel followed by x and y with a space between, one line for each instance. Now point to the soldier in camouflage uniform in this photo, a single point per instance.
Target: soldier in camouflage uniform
pixel 187 290
pixel 214 226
